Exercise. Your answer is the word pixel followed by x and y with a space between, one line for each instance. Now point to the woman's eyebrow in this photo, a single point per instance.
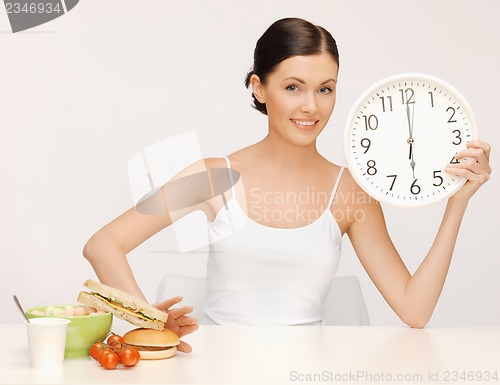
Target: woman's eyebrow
pixel 329 80
pixel 303 82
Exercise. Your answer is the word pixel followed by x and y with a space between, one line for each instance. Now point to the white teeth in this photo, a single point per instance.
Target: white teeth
pixel 303 123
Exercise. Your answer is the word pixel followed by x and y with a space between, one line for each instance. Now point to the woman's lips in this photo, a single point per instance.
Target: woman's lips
pixel 305 125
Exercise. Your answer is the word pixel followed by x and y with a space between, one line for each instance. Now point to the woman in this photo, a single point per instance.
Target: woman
pixel 260 273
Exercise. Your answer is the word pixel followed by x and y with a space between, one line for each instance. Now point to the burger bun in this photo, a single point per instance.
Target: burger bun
pixel 153 344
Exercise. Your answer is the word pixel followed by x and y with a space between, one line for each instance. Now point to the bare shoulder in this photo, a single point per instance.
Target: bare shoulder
pixel 215 163
pixel 238 159
pixel 352 203
pixel 244 158
pixel 330 169
pixel 361 197
pixel 350 183
pixel 199 166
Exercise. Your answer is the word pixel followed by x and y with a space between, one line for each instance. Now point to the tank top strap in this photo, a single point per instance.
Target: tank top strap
pixel 337 181
pixel 231 181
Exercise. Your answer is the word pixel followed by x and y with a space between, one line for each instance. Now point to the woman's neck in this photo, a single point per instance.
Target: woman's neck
pixel 279 154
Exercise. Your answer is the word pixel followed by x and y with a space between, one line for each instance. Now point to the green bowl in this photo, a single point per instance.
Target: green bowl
pixel 83 331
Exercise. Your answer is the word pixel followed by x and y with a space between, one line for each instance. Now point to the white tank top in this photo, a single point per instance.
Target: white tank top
pixel 260 275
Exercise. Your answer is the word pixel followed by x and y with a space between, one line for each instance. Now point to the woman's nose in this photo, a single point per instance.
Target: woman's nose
pixel 309 104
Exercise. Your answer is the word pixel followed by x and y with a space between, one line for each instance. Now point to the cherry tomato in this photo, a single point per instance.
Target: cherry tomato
pixel 118 347
pixel 109 360
pixel 115 339
pixel 95 349
pixel 103 351
pixel 129 357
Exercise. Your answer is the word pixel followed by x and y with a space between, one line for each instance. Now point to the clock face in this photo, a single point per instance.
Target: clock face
pixel 401 134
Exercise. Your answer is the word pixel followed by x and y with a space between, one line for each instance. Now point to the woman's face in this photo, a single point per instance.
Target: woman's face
pixel 300 96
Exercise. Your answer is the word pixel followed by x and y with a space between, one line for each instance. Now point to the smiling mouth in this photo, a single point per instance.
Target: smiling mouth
pixel 305 124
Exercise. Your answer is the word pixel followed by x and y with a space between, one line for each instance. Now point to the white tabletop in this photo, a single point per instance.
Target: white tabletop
pixel 287 355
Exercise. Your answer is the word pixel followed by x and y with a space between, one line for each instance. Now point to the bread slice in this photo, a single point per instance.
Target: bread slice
pixel 88 299
pixel 132 309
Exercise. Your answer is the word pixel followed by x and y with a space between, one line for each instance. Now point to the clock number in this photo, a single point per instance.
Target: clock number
pixel 366 143
pixel 415 188
pixel 389 98
pixel 407 96
pixel 371 167
pixel 451 120
pixel 458 133
pixel 454 160
pixel 371 122
pixel 439 178
pixel 432 98
pixel 394 180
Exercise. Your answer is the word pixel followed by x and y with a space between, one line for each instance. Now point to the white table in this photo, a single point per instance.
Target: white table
pixel 286 355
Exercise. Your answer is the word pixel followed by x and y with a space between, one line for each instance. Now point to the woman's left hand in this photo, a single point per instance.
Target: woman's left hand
pixel 474 165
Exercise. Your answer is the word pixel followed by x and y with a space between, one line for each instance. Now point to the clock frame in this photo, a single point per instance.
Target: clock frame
pixel 401 133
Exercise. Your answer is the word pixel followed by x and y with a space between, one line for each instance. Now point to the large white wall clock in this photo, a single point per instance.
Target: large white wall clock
pixel 400 135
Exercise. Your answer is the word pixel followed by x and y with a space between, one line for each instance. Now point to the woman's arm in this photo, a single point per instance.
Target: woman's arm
pixel 414 298
pixel 107 249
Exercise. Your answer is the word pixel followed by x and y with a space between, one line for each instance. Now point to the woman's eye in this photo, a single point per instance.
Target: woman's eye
pixel 325 90
pixel 292 88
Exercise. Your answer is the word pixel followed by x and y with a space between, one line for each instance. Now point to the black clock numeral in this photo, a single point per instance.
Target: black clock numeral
pixel 454 160
pixel 451 120
pixel 407 96
pixel 371 122
pixel 371 170
pixel 457 137
pixel 415 188
pixel 389 98
pixel 432 98
pixel 366 143
pixel 439 178
pixel 393 180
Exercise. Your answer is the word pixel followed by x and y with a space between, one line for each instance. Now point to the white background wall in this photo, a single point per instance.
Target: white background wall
pixel 80 95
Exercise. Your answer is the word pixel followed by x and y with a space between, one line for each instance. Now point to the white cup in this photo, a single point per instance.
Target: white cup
pixel 47 340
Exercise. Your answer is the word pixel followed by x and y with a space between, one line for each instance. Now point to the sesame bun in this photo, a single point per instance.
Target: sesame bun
pixel 153 344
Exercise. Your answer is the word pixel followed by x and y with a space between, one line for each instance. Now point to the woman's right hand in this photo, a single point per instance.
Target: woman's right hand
pixel 179 321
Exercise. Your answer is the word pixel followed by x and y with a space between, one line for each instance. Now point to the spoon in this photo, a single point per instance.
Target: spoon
pixel 20 308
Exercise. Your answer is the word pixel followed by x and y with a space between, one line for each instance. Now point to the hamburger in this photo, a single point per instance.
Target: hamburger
pixel 153 344
pixel 123 305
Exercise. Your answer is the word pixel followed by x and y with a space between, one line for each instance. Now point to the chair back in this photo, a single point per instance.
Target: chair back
pixel 192 289
pixel 344 305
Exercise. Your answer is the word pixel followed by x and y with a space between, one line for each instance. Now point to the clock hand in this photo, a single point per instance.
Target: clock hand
pixel 412 163
pixel 410 140
pixel 410 123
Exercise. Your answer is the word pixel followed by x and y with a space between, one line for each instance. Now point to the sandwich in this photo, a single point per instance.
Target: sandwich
pixel 153 344
pixel 122 305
